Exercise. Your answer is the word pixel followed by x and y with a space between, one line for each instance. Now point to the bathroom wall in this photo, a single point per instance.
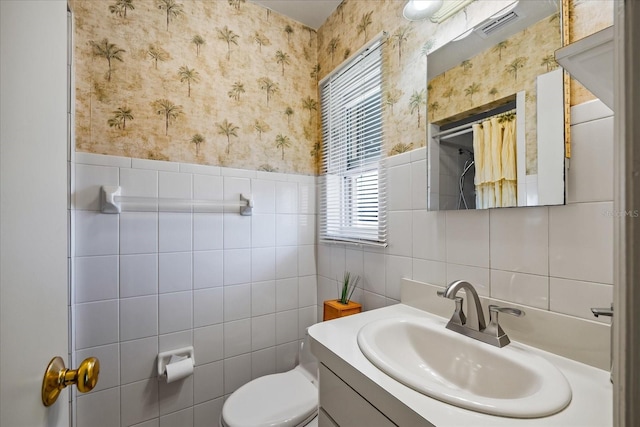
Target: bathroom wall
pixel 557 258
pixel 240 289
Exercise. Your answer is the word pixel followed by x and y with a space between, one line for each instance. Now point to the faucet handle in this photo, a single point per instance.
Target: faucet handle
pixel 507 310
pixel 458 316
pixel 494 329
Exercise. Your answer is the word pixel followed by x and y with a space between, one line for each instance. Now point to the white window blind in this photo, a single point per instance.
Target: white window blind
pixel 352 191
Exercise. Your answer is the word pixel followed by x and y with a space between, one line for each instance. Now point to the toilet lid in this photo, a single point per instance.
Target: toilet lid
pixel 285 399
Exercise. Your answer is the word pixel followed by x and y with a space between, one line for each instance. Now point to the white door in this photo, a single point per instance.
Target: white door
pixel 34 299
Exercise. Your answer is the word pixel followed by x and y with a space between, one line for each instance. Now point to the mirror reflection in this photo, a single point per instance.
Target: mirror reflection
pixel 496 113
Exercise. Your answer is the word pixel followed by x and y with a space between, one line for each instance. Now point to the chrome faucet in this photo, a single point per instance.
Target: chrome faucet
pixel 473 325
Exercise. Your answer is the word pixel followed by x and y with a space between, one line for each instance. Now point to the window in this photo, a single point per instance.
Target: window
pixel 353 182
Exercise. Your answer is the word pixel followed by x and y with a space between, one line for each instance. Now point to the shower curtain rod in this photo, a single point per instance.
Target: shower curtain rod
pixel 112 202
pixel 468 126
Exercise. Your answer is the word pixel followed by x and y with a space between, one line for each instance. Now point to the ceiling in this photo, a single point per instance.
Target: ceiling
pixel 311 13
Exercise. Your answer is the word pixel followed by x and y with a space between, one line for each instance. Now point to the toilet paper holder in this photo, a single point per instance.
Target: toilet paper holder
pixel 165 357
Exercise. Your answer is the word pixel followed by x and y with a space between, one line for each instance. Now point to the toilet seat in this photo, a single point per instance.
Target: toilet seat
pixel 285 400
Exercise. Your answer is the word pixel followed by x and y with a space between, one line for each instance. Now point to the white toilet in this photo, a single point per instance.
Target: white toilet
pixel 289 399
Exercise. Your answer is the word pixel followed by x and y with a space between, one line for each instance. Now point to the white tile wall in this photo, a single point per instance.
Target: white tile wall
pixel 241 290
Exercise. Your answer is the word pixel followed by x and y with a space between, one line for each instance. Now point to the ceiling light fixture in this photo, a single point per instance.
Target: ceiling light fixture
pixel 417 10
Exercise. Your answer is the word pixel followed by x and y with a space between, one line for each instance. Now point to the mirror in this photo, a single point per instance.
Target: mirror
pixel 496 113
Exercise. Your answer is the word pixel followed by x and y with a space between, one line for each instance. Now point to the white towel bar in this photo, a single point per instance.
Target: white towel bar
pixel 112 202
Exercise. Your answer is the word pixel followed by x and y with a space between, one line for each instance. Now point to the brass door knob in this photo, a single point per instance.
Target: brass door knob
pixel 57 377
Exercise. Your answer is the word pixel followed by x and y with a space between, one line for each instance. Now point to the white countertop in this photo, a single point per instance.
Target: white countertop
pixel 335 345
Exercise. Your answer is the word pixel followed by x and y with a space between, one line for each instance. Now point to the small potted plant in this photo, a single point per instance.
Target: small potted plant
pixel 343 306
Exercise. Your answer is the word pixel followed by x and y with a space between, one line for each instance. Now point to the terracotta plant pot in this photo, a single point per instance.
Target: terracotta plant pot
pixel 334 309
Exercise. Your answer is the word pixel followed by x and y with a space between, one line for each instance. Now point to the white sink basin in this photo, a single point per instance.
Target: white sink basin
pixel 461 371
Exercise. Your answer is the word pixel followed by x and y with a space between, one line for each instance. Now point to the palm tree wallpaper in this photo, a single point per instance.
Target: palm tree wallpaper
pixel 230 83
pixel 195 81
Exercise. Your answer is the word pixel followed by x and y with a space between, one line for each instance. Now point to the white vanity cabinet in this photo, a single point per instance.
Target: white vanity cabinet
pixel 344 407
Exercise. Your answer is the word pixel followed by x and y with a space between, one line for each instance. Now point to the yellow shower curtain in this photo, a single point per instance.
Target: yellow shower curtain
pixel 494 146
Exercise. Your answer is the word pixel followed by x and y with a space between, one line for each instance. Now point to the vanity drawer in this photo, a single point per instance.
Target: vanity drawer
pixel 345 406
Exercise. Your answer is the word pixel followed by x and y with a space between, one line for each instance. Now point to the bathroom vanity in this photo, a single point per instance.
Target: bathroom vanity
pixel 354 392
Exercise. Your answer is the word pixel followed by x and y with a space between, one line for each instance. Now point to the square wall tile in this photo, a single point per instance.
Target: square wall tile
pixel 88 181
pixel 287 197
pixel 178 418
pixel 175 272
pixel 208 382
pixel 176 312
pixel 237 302
pixel 419 184
pixel 324 260
pixel 174 232
pixel 209 343
pixel 207 231
pixel 237 372
pixel 306 260
pixel 109 364
pixel 237 337
pixel 429 235
pixel 96 278
pixel 138 275
pixel 139 360
pixel 581 242
pixel 138 317
pixel 233 187
pixel 286 262
pixel 208 187
pixel 174 185
pixel 139 182
pixel 468 237
pixel 205 412
pixel 175 340
pixel 307 291
pixel 175 396
pixel 286 356
pixel 478 277
pixel 374 279
pixel 397 268
pixel 96 323
pixel 138 232
pixel 306 229
pixel 263 332
pixel 372 301
pixel 520 240
pixel 263 362
pixel 338 262
pixel 354 264
pixel 237 231
pixel 526 289
pixel 286 294
pixel 139 402
pixel 264 195
pixel 400 236
pixel 237 266
pixel 263 264
pixel 207 307
pixel 96 233
pixel 207 269
pixel 307 198
pixel 286 326
pixel 263 298
pixel 576 298
pixel 286 230
pixel 263 230
pixel 432 272
pixel 399 188
pixel 99 408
